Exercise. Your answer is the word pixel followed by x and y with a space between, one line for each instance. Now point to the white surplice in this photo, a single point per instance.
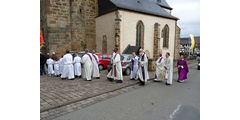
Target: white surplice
pixel 68 71
pixel 77 66
pixel 87 61
pixel 56 67
pixel 168 63
pixel 61 65
pixel 95 66
pixel 159 74
pixel 117 67
pixel 143 68
pixel 134 67
pixel 110 74
pixel 50 64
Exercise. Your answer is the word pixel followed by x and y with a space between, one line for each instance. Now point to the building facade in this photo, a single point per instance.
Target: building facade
pixel 102 25
pixel 145 23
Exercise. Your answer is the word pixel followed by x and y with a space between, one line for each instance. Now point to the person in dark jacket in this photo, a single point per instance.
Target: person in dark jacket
pixel 47 57
pixel 42 63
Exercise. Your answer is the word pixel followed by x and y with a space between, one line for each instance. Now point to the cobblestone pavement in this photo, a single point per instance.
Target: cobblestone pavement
pixel 56 93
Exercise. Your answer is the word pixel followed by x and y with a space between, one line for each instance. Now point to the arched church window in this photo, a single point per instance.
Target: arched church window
pixel 165 36
pixel 140 34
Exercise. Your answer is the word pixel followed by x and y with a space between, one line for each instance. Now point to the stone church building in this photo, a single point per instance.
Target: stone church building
pixel 68 24
pixel 102 25
pixel 145 23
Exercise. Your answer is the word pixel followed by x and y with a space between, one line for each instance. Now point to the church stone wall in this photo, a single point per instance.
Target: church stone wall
pixel 68 24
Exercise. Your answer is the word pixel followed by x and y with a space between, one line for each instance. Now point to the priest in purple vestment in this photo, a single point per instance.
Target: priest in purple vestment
pixel 182 69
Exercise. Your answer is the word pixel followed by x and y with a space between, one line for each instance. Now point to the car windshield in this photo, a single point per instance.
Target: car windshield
pixel 122 57
pixel 104 56
pixel 126 58
pixel 80 54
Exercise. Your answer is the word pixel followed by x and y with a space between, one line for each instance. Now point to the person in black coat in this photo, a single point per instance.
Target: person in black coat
pixel 42 63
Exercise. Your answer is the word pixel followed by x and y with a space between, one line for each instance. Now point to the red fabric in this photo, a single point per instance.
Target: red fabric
pixel 41 38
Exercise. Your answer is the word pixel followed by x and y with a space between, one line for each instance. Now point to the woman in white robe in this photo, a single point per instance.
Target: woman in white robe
pixel 87 61
pixel 143 68
pixel 77 66
pixel 159 74
pixel 95 66
pixel 50 64
pixel 168 65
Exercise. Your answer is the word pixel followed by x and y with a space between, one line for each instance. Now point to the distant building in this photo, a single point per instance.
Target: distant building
pixel 186 45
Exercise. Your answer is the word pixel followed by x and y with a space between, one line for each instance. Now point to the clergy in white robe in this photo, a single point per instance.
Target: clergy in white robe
pixel 77 66
pixel 50 64
pixel 61 65
pixel 56 68
pixel 95 69
pixel 159 74
pixel 110 75
pixel 117 68
pixel 134 66
pixel 168 65
pixel 68 71
pixel 143 68
pixel 87 61
pixel 116 71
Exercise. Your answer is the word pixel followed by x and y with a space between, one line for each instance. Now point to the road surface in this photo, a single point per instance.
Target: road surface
pixel 155 101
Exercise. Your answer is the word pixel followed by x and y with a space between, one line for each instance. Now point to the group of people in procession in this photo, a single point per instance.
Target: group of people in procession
pixel 69 67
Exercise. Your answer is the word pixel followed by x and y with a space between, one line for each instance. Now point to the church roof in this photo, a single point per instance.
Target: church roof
pixel 164 4
pixel 142 6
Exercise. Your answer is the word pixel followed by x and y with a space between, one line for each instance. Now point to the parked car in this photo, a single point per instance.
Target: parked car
pixel 125 62
pixel 80 54
pixel 104 60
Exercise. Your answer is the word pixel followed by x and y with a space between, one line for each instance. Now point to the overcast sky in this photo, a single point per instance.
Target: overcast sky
pixel 188 11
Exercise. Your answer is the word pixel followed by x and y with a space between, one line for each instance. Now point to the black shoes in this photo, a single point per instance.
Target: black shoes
pixel 119 81
pixel 97 77
pixel 168 84
pixel 141 82
pixel 110 79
